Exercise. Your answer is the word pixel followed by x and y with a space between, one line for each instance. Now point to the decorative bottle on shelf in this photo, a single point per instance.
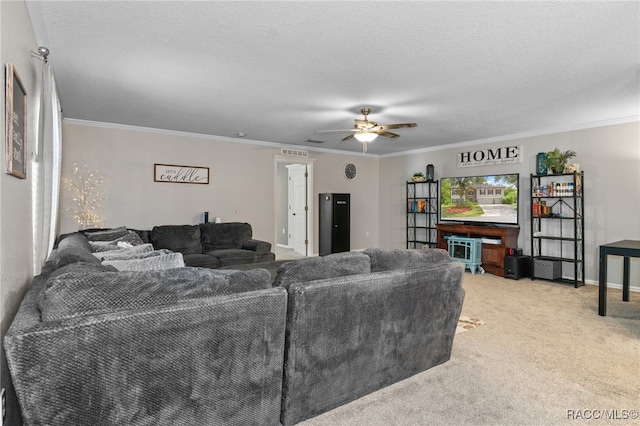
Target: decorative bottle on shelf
pixel 430 174
pixel 541 163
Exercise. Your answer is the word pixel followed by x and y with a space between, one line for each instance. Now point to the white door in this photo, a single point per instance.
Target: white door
pixel 298 208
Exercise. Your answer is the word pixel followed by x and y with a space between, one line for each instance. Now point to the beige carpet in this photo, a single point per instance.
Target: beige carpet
pixel 542 357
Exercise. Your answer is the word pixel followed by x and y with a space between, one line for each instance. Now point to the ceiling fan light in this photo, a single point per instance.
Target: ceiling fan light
pixel 365 137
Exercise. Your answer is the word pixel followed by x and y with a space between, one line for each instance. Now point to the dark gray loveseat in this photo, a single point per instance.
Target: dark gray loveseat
pixel 211 245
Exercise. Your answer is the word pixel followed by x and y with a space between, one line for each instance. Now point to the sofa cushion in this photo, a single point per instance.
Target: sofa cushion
pixel 80 293
pixel 151 263
pixel 228 257
pixel 201 260
pixel 75 240
pixel 230 235
pixel 181 238
pixel 391 259
pixel 71 255
pixel 316 268
pixel 257 246
pixel 144 234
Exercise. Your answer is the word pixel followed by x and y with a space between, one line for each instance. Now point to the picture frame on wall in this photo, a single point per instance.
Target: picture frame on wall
pixel 15 123
pixel 173 173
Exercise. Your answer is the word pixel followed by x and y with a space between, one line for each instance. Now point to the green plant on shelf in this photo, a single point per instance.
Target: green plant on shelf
pixel 556 160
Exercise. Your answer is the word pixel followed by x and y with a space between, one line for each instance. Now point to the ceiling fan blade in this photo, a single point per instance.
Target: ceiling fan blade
pixel 397 126
pixel 347 138
pixel 335 131
pixel 388 135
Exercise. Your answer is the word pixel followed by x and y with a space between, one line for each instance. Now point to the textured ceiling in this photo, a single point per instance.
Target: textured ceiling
pixel 279 71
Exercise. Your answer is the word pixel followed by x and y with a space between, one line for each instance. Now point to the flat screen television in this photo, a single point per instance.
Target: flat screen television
pixel 480 199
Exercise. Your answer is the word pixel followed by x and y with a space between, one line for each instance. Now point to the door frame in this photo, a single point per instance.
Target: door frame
pixel 291 221
pixel 286 160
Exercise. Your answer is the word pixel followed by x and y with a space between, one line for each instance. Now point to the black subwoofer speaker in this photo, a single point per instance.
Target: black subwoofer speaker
pixel 516 267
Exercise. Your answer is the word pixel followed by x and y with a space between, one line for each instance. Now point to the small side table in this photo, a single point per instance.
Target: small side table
pixel 625 248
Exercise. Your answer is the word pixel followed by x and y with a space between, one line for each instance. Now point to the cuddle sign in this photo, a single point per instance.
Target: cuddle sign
pixel 181 174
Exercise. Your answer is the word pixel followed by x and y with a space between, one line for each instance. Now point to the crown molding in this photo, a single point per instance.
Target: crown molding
pixel 275 145
pixel 515 136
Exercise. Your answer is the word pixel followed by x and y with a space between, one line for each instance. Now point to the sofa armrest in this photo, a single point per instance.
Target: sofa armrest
pixel 257 246
pixel 203 361
pixel 352 335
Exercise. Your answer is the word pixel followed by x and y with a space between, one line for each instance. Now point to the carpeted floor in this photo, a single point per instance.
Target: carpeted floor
pixel 542 357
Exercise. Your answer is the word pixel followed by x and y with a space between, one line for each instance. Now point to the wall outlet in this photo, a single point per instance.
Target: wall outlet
pixel 366 233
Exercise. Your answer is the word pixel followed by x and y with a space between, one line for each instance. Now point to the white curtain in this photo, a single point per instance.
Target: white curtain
pixel 46 171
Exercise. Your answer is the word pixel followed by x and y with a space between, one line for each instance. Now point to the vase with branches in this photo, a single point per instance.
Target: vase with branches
pixel 85 185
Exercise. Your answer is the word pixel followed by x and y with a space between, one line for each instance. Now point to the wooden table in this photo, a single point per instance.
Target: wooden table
pixel 625 248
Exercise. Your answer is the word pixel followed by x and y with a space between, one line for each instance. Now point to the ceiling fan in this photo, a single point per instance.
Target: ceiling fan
pixel 366 131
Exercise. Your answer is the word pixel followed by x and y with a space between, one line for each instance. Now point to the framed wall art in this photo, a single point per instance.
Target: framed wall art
pixel 15 123
pixel 180 174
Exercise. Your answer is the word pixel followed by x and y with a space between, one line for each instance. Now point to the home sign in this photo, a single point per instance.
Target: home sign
pixel 489 157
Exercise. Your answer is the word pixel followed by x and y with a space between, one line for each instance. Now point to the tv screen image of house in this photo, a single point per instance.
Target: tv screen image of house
pixel 480 199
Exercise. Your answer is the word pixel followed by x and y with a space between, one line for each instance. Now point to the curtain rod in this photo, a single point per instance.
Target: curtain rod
pixel 42 53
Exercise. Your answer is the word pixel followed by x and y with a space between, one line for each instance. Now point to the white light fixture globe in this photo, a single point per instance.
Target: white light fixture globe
pixel 365 137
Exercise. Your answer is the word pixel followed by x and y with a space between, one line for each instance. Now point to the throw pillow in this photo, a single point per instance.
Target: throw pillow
pixel 316 268
pixel 68 255
pixel 75 240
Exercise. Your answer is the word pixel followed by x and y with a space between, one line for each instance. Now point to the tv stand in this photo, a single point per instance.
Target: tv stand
pixel 494 248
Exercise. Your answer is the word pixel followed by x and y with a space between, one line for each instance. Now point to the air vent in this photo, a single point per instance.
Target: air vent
pixel 294 152
pixel 314 141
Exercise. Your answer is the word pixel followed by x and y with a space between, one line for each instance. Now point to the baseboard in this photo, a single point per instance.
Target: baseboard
pixel 633 288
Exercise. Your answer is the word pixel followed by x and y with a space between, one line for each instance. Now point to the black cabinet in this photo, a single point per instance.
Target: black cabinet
pixel 422 214
pixel 557 227
pixel 334 223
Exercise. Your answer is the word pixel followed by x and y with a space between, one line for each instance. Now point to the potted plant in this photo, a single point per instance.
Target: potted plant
pixel 418 177
pixel 556 160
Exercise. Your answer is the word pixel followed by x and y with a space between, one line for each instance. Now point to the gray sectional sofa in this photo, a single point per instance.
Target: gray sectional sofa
pixel 195 346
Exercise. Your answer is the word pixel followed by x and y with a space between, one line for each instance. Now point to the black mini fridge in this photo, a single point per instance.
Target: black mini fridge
pixel 335 217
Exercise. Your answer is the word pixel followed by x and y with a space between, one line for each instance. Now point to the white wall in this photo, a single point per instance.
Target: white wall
pixel 609 156
pixel 16 253
pixel 242 184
